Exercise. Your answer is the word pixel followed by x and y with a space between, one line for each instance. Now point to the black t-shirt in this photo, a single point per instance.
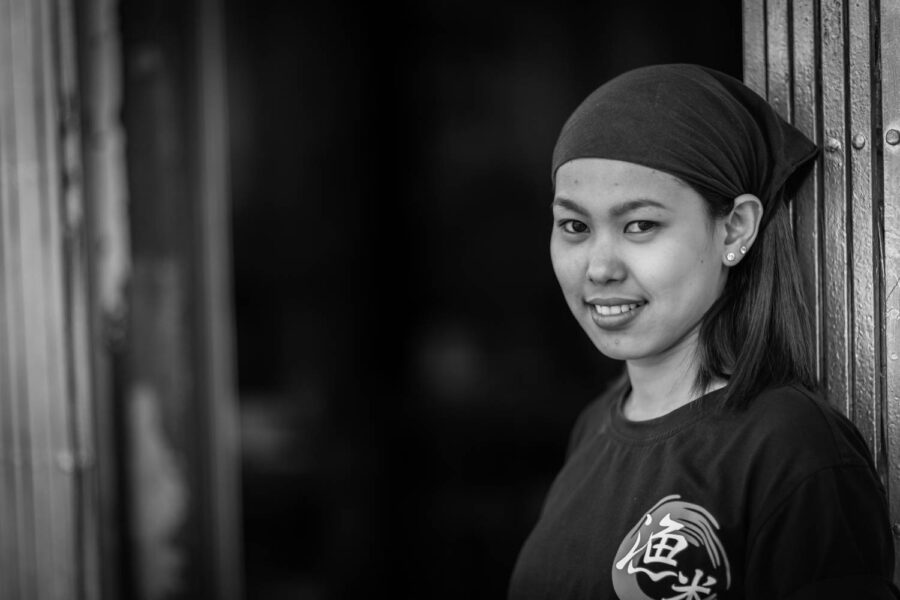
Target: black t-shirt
pixel 778 501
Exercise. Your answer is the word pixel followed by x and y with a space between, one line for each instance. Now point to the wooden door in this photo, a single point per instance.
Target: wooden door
pixel 832 67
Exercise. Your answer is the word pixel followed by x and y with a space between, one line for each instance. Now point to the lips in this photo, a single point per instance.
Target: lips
pixel 614 313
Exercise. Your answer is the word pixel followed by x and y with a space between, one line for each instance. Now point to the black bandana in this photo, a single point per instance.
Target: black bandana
pixel 703 126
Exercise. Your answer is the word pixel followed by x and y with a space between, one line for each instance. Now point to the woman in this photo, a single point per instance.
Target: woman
pixel 711 469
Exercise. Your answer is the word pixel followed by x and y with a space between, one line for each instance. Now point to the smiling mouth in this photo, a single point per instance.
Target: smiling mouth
pixel 609 311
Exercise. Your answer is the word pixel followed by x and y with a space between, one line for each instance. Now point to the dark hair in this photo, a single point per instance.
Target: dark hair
pixel 756 334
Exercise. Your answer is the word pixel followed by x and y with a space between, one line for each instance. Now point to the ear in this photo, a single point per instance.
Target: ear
pixel 741 227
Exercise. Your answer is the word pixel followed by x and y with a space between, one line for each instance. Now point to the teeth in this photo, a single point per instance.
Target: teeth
pixel 614 310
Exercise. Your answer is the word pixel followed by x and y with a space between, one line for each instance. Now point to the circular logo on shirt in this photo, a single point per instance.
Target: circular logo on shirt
pixel 672 553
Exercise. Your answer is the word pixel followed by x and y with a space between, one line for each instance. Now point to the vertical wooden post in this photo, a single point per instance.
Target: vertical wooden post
pixel 824 77
pixel 865 244
pixel 214 311
pixel 807 206
pixel 108 258
pixel 46 454
pixel 181 398
pixel 889 139
pixel 65 257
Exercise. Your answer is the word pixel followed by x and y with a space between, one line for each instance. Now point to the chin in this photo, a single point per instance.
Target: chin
pixel 620 351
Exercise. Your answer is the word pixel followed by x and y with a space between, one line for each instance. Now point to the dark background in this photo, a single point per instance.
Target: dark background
pixel 408 368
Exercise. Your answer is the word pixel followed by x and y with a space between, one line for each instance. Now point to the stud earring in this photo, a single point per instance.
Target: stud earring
pixel 730 256
pixel 743 249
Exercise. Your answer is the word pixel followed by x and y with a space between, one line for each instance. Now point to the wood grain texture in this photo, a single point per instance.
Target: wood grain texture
pixel 808 203
pixel 778 57
pixel 865 252
pixel 754 20
pixel 889 45
pixel 836 274
pixel 845 78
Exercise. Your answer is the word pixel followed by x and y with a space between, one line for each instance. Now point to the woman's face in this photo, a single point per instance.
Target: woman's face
pixel 636 255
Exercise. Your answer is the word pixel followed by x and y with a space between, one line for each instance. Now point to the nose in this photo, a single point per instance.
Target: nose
pixel 605 265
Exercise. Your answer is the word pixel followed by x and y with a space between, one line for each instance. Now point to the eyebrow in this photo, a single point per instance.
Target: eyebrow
pixel 616 211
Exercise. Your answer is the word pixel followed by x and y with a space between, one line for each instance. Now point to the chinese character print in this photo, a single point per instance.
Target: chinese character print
pixel 673 553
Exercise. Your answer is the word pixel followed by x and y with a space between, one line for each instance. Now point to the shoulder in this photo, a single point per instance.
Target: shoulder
pixel 808 465
pixel 794 421
pixel 833 530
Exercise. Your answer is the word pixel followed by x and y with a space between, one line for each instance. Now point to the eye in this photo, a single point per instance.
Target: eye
pixel 573 226
pixel 641 226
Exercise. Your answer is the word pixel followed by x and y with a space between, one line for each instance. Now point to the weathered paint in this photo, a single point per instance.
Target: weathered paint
pixel 755 45
pixel 865 261
pixel 807 205
pixel 889 46
pixel 837 259
pixel 845 79
pixel 778 57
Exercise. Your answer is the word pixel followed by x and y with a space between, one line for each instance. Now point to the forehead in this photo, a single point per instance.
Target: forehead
pixel 600 179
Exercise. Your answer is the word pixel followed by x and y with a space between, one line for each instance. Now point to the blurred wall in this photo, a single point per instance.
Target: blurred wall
pixel 408 369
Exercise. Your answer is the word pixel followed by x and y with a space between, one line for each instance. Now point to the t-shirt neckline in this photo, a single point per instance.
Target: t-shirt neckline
pixel 664 425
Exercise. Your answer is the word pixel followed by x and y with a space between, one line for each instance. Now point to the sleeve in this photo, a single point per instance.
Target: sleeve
pixel 829 539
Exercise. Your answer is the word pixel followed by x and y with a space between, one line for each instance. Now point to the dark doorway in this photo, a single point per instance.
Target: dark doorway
pixel 408 369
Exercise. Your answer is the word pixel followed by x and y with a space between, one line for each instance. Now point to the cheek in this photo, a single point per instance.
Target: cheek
pixel 567 267
pixel 679 272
